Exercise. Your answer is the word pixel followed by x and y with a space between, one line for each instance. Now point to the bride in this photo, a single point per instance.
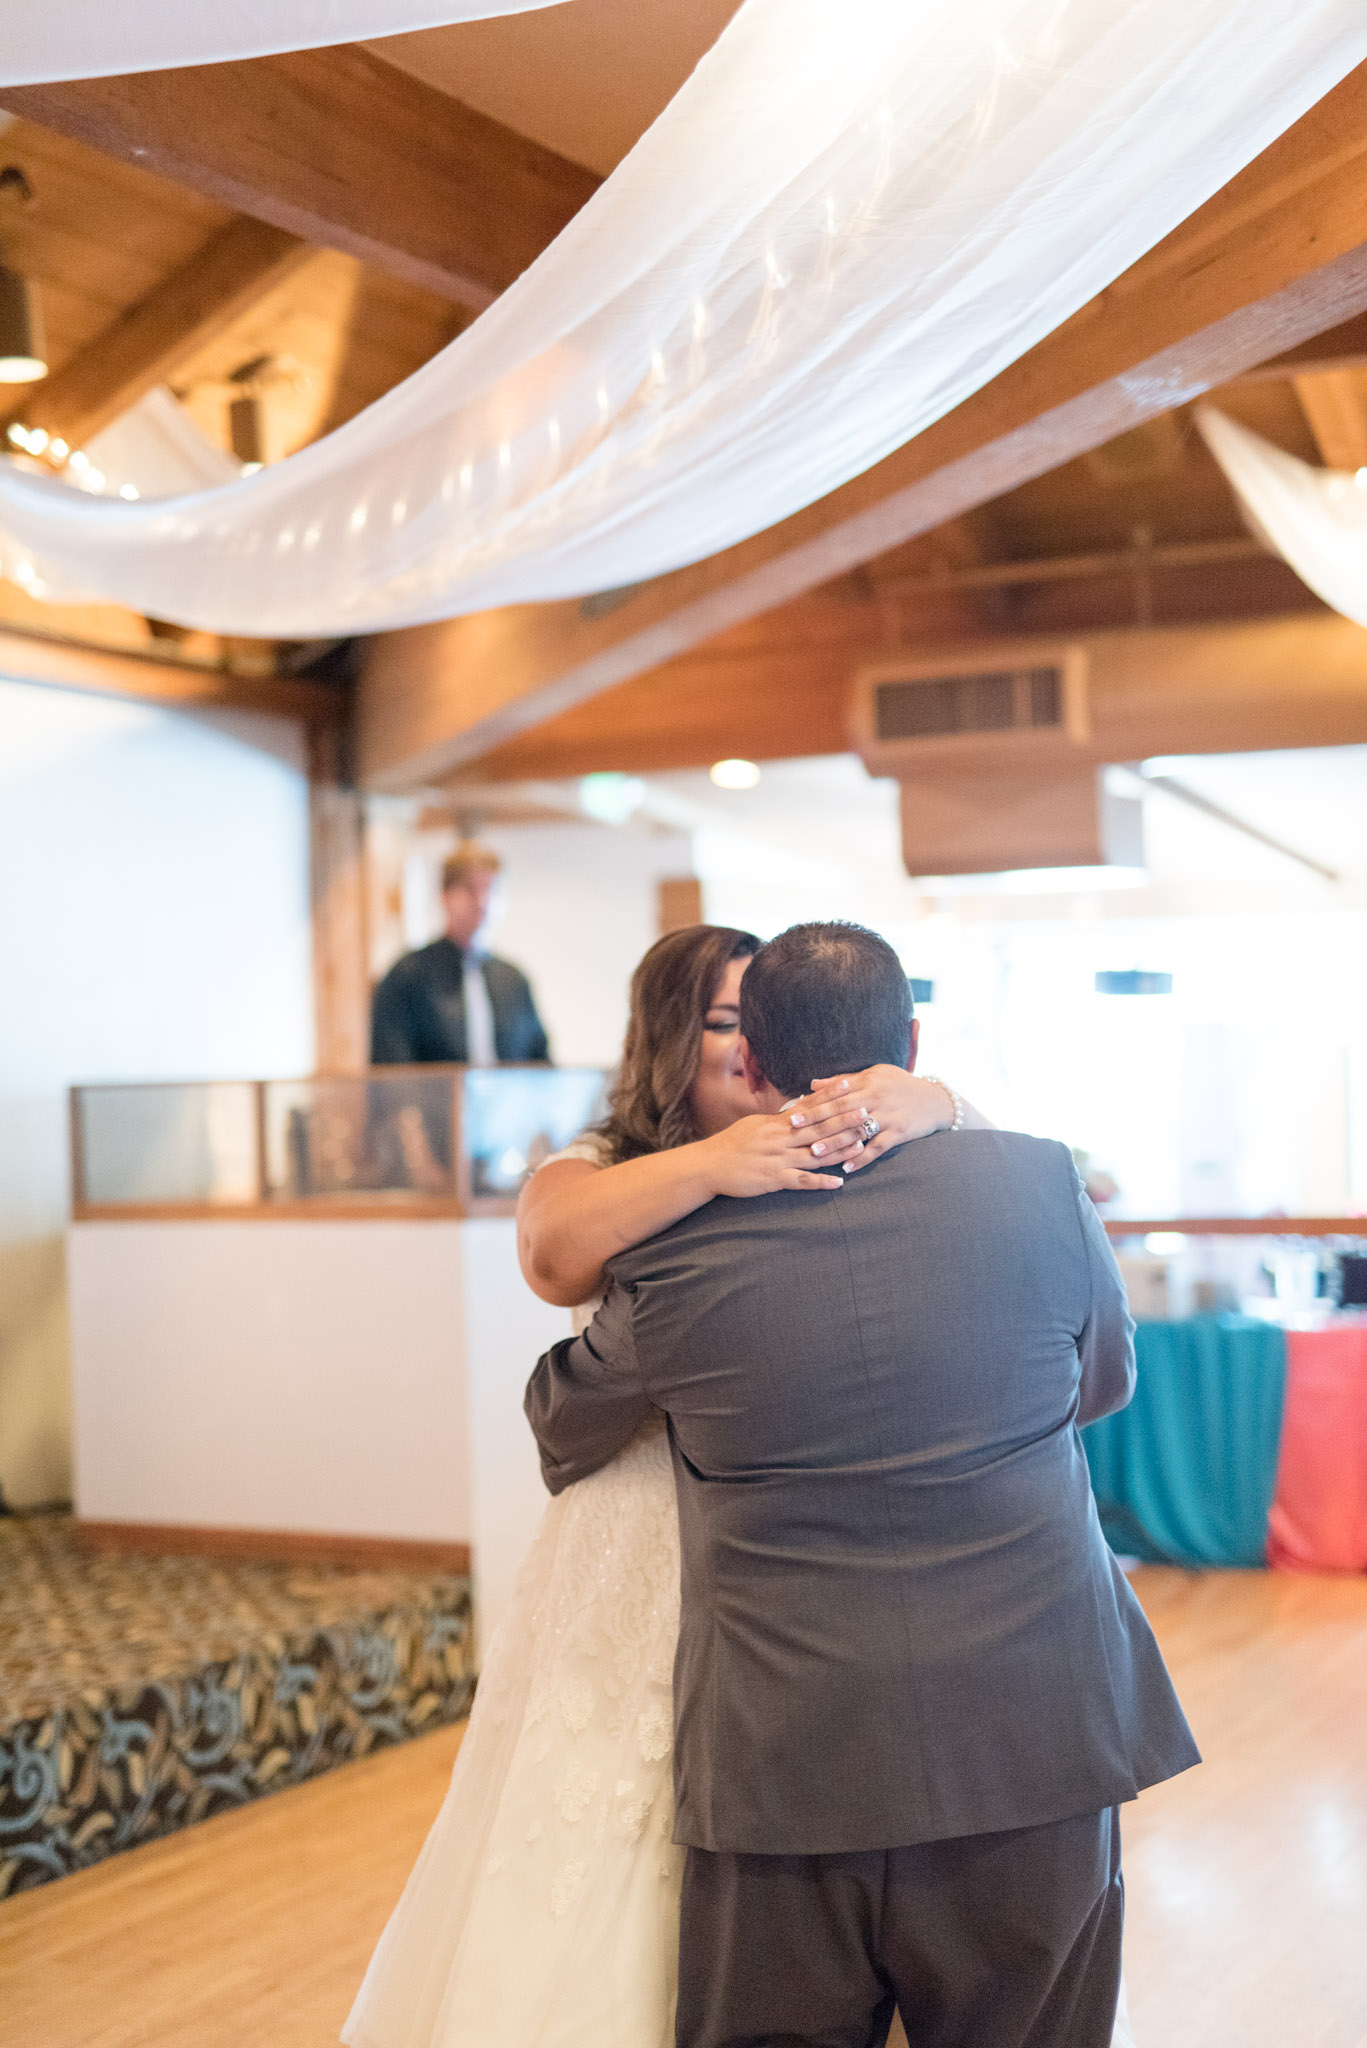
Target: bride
pixel 543 1910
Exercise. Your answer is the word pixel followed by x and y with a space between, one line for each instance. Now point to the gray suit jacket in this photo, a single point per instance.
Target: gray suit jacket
pixel 901 1621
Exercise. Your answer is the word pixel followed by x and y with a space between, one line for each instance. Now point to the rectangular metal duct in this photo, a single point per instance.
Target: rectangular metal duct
pixel 986 704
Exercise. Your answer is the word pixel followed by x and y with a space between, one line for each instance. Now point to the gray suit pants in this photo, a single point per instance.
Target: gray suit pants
pixel 988 1941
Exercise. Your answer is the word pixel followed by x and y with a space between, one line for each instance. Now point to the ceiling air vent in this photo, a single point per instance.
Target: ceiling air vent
pixel 995 700
pixel 981 704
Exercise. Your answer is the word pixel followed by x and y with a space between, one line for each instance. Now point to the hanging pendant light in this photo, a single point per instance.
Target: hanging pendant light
pixel 22 358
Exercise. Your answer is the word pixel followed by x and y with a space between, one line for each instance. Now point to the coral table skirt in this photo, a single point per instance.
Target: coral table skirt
pixel 1318 1518
pixel 1244 1445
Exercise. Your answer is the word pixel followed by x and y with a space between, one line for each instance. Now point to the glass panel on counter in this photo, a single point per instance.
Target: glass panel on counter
pixel 378 1135
pixel 452 1136
pixel 191 1141
pixel 515 1117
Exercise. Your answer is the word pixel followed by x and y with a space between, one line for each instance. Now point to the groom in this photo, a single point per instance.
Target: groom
pixel 912 1685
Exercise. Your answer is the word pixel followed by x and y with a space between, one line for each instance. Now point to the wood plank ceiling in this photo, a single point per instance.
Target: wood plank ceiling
pixel 341 215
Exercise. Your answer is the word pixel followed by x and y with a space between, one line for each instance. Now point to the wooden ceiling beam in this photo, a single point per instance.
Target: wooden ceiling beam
pixel 1335 404
pixel 340 149
pixel 143 346
pixel 1339 348
pixel 779 685
pixel 1275 257
pixel 1297 681
pixel 153 679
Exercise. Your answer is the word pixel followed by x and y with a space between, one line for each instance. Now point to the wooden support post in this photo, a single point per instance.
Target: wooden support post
pixel 341 979
pixel 680 903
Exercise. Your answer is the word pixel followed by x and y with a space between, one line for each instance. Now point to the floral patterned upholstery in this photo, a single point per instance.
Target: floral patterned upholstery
pixel 140 1694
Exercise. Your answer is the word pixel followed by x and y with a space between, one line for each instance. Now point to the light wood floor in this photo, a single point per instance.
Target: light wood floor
pixel 1247 1879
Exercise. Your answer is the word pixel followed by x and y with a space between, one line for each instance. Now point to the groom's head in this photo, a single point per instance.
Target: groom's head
pixel 823 999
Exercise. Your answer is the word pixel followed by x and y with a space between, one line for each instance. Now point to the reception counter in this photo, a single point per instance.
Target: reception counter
pixel 298 1323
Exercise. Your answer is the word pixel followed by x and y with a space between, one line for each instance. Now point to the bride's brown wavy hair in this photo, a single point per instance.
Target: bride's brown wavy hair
pixel 672 991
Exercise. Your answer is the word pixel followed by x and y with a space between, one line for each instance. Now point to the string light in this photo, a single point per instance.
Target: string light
pixel 357 519
pixel 129 491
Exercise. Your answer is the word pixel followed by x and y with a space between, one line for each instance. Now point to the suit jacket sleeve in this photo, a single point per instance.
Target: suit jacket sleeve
pixel 1106 1343
pixel 391 1026
pixel 585 1401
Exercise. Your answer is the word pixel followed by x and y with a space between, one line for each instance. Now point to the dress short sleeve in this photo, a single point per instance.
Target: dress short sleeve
pixel 591 1146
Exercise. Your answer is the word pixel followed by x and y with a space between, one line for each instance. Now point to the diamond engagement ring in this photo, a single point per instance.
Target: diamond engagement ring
pixel 870 1128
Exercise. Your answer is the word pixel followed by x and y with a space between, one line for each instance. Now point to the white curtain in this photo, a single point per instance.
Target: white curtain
pixel 1315 519
pixel 105 38
pixel 849 219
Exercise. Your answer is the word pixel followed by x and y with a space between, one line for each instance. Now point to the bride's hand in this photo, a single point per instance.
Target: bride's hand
pixel 760 1154
pixel 903 1105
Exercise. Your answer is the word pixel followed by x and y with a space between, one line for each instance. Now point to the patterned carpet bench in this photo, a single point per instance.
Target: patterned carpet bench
pixel 140 1694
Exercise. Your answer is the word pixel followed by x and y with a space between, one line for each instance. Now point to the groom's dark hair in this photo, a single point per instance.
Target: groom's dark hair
pixel 824 999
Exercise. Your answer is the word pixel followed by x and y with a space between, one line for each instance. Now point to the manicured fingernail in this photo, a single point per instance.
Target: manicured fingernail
pixel 848 1167
pixel 795 1121
pixel 817 1151
pixel 844 1087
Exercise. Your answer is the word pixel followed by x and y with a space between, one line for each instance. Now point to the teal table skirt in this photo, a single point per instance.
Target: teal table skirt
pixel 1186 1474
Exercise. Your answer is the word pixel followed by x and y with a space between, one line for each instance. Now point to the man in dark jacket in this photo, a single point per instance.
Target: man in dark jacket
pixel 451 1001
pixel 913 1686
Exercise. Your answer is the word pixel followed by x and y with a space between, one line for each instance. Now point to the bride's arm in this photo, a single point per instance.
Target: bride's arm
pixel 573 1216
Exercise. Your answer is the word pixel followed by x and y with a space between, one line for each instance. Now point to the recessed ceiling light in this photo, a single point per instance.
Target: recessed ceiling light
pixel 734 774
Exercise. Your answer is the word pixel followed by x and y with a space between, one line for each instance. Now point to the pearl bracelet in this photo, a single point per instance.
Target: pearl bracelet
pixel 955 1098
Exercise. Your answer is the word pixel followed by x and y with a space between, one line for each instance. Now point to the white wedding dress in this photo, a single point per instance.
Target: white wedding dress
pixel 543 1911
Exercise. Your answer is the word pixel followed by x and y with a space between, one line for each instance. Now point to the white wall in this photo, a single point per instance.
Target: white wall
pixel 154 923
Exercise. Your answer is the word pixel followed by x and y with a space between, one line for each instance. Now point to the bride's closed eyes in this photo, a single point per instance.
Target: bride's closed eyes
pixel 721 1019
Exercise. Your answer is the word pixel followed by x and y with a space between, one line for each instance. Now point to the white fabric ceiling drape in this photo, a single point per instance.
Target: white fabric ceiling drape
pixel 847 221
pixel 1315 519
pixel 105 38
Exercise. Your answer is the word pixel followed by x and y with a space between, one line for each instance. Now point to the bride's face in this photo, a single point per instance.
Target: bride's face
pixel 721 1093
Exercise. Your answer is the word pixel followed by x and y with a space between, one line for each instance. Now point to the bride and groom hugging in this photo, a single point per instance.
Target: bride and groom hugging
pixel 910 1685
